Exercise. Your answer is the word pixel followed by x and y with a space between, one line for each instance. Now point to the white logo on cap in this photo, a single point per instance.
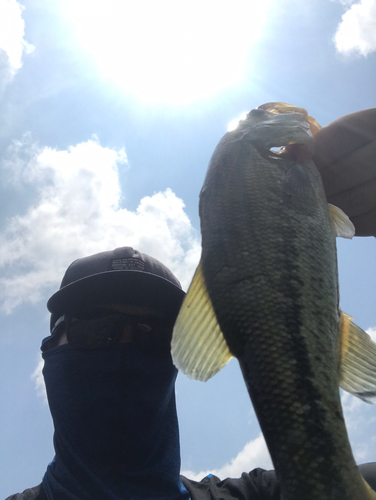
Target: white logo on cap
pixel 127 264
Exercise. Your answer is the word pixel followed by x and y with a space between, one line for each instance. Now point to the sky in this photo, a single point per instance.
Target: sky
pixel 109 112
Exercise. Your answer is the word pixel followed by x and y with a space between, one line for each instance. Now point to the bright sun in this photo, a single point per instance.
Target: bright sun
pixel 171 51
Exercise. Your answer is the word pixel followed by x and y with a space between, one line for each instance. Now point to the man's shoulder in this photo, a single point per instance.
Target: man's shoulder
pixel 29 494
pixel 255 485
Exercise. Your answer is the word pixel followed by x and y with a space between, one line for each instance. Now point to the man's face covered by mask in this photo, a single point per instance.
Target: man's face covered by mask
pixel 116 431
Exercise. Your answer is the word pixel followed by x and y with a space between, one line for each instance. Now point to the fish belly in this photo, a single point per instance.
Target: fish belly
pixel 270 268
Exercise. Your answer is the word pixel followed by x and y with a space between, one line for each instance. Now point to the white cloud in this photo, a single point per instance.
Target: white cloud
pixel 12 42
pixel 254 454
pixel 77 212
pixel 372 333
pixel 357 30
pixel 360 424
pixel 38 380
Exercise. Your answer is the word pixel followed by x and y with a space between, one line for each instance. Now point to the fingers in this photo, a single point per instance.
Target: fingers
pixel 346 158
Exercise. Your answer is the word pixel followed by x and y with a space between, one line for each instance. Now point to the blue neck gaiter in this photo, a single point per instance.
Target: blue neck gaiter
pixel 116 431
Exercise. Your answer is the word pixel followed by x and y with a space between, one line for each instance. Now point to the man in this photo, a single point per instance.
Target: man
pixel 110 386
pixel 110 380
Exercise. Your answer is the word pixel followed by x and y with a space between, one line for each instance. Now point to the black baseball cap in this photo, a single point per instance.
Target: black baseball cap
pixel 120 276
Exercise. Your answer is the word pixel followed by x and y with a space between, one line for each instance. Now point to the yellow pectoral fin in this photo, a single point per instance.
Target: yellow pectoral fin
pixel 198 347
pixel 357 371
pixel 371 494
pixel 341 224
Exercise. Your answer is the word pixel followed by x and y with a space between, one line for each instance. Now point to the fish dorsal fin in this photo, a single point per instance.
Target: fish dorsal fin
pixel 341 224
pixel 198 347
pixel 357 371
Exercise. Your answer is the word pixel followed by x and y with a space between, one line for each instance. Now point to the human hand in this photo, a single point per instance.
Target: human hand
pixel 346 158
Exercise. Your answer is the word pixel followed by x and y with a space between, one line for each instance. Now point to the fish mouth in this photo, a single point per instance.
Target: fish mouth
pixel 274 153
pixel 279 135
pixel 283 108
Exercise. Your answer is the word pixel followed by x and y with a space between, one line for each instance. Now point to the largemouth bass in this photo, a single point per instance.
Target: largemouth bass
pixel 266 292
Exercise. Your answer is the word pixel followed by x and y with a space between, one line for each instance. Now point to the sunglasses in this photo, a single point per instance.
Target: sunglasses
pixel 97 329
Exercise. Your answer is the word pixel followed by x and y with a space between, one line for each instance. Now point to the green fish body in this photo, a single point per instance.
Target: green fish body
pixel 266 292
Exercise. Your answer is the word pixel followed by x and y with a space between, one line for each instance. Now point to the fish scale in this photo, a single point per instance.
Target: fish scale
pixel 269 271
pixel 278 304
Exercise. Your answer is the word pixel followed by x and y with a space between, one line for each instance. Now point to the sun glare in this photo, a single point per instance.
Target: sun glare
pixel 234 123
pixel 169 51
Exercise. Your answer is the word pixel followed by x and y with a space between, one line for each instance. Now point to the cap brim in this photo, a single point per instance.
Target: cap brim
pixel 117 287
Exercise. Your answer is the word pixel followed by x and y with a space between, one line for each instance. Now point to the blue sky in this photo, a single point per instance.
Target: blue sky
pixel 108 121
